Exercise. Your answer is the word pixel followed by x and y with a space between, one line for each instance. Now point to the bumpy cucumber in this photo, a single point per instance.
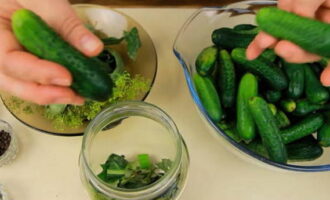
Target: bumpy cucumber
pixel 296 77
pixel 206 60
pixel 268 130
pixel 273 96
pixel 266 70
pixel 314 90
pixel 229 38
pixel 241 27
pixel 90 78
pixel 312 35
pixel 282 119
pixel 209 97
pixel 323 135
pixel 303 128
pixel 230 130
pixel 268 55
pixel 305 149
pixel 248 87
pixel 304 107
pixel 288 105
pixel 227 79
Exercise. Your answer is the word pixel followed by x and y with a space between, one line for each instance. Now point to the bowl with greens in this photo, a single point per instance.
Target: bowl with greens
pixel 128 60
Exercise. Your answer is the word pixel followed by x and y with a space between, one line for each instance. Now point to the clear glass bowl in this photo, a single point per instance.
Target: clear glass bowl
pixel 196 35
pixel 10 154
pixel 131 128
pixel 112 23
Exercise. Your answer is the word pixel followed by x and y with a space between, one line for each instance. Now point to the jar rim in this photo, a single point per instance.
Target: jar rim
pixel 125 109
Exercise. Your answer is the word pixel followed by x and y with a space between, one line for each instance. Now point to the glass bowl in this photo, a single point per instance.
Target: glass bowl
pixel 9 155
pixel 196 35
pixel 131 128
pixel 112 23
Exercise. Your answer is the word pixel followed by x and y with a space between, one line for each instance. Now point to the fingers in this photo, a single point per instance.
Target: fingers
pixel 27 67
pixel 293 53
pixel 261 42
pixel 305 8
pixel 325 76
pixel 60 15
pixel 323 14
pixel 40 94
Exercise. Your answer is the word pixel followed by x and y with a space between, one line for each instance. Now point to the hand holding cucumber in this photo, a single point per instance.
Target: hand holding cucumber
pixel 288 49
pixel 29 77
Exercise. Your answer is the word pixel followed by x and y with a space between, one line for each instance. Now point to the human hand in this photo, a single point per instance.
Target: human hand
pixel 316 9
pixel 29 77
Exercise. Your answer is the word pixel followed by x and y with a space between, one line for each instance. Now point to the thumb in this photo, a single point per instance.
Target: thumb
pixel 61 16
pixel 325 76
pixel 73 30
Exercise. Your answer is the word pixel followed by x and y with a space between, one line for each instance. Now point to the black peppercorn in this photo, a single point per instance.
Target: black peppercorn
pixel 5 139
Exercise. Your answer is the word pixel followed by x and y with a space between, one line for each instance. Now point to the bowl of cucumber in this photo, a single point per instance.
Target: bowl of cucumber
pixel 129 58
pixel 267 111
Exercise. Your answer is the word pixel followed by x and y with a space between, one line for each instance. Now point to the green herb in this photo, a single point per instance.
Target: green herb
pixel 134 174
pixel 132 39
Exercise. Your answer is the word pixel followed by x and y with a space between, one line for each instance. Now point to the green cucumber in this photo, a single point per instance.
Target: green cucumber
pixel 305 149
pixel 244 27
pixel 230 130
pixel 268 55
pixel 227 79
pixel 266 70
pixel 304 107
pixel 323 135
pixel 314 90
pixel 296 77
pixel 268 130
pixel 272 108
pixel 273 96
pixel 248 87
pixel 90 78
pixel 209 97
pixel 288 105
pixel 206 60
pixel 306 126
pixel 282 119
pixel 310 34
pixel 229 38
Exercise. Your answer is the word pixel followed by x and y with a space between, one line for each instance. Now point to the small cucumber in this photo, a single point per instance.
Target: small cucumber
pixel 272 108
pixel 268 55
pixel 230 130
pixel 90 78
pixel 227 79
pixel 257 147
pixel 244 27
pixel 282 119
pixel 273 96
pixel 296 77
pixel 305 127
pixel 323 135
pixel 248 87
pixel 206 60
pixel 314 90
pixel 304 107
pixel 312 35
pixel 209 97
pixel 266 70
pixel 305 149
pixel 229 38
pixel 268 130
pixel 288 105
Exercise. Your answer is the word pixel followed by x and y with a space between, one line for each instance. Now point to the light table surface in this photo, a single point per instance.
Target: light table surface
pixel 47 166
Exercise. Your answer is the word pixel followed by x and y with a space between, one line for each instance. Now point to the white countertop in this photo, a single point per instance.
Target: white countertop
pixel 47 166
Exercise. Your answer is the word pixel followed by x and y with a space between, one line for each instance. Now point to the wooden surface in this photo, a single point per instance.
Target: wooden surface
pixel 157 3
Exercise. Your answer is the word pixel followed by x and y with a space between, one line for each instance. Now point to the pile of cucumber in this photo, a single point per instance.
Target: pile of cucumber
pixel 276 109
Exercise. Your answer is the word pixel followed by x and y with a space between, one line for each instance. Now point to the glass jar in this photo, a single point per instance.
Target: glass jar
pixel 10 153
pixel 131 128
